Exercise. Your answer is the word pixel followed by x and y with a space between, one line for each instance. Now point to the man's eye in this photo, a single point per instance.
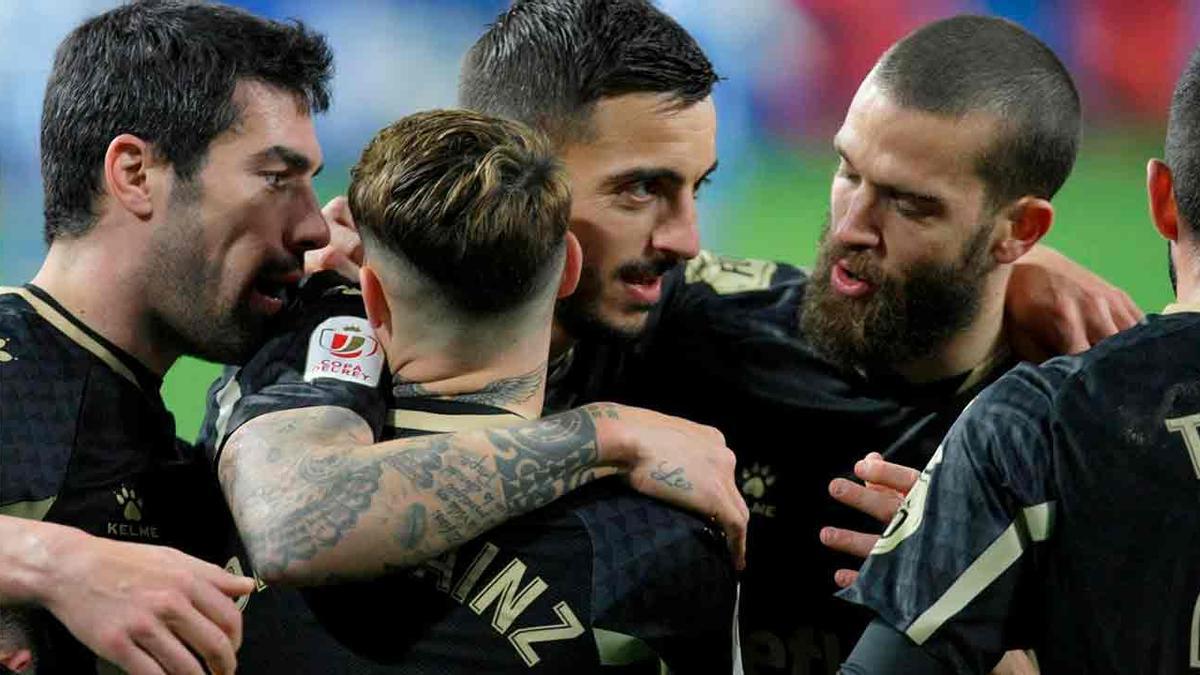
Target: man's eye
pixel 640 190
pixel 274 179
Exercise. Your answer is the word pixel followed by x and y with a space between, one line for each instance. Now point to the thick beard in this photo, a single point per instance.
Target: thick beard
pixel 185 290
pixel 903 319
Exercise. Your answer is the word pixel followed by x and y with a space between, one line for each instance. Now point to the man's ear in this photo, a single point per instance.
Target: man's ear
pixel 128 163
pixel 379 313
pixel 1160 193
pixel 572 268
pixel 1024 224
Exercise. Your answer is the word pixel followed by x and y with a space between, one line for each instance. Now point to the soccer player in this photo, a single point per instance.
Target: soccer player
pixel 178 153
pixel 464 223
pixel 1059 512
pixel 879 349
pixel 721 340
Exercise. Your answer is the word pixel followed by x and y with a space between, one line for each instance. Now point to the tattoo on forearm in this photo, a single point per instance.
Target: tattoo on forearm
pixel 539 463
pixel 453 492
pixel 412 529
pixel 672 477
pixel 602 411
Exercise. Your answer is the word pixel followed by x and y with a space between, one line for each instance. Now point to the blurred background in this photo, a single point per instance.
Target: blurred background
pixel 790 69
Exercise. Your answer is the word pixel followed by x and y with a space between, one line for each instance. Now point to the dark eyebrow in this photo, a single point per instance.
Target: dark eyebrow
pixel 895 190
pixel 710 171
pixel 295 161
pixel 650 175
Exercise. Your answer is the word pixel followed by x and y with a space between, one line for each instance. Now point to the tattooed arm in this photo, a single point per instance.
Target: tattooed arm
pixel 315 497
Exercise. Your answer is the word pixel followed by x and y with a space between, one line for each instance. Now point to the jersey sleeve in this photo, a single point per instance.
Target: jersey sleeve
pixel 648 562
pixel 324 354
pixel 953 570
pixel 723 286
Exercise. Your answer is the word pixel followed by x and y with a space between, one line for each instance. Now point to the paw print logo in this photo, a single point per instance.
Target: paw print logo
pixel 132 503
pixel 756 479
pixel 5 357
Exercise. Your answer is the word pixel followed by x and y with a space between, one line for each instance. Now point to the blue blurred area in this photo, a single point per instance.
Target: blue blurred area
pixel 790 68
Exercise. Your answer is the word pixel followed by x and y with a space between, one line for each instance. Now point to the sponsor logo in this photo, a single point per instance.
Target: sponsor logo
pixel 132 503
pixel 343 348
pixel 757 480
pixel 5 357
pixel 132 510
pixel 348 343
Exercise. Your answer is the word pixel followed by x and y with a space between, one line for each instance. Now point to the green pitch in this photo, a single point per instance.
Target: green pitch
pixel 778 207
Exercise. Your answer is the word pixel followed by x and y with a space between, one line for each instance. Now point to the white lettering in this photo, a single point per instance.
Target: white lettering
pixel 569 628
pixel 1187 427
pixel 503 587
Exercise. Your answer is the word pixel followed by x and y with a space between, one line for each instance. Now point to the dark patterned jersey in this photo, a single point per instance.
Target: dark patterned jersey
pixel 602 580
pixel 85 441
pixel 725 348
pixel 1059 514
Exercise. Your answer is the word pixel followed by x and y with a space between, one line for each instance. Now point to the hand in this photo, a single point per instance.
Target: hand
pixel 344 253
pixel 885 489
pixel 144 607
pixel 1055 306
pixel 679 462
pixel 1015 663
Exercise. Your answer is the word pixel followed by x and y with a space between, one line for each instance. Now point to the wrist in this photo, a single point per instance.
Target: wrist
pixel 30 555
pixel 616 444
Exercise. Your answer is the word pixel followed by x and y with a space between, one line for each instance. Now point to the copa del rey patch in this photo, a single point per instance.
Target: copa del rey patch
pixel 344 348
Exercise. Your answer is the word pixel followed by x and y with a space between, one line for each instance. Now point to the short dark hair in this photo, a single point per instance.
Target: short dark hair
pixel 477 204
pixel 1183 141
pixel 979 64
pixel 547 62
pixel 164 71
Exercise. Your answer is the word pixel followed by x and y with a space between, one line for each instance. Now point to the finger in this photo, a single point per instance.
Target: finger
pixel 1074 333
pixel 220 610
pixel 204 637
pixel 338 211
pixel 134 661
pixel 857 544
pixel 894 476
pixel 1132 308
pixel 233 585
pixel 1126 312
pixel 881 506
pixel 169 652
pixel 733 524
pixel 845 578
pixel 1100 324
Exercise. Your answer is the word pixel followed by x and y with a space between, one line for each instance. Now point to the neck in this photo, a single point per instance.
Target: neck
pixel 100 280
pixel 560 341
pixel 969 347
pixel 505 370
pixel 1187 276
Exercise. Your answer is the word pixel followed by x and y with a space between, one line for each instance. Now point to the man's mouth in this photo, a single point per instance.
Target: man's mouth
pixel 270 291
pixel 846 281
pixel 643 282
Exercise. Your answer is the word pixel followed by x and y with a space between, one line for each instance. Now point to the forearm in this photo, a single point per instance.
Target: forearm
pixel 27 559
pixel 314 499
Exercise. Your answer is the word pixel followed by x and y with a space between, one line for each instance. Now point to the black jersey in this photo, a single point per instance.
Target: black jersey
pixel 725 348
pixel 1059 514
pixel 603 579
pixel 85 441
